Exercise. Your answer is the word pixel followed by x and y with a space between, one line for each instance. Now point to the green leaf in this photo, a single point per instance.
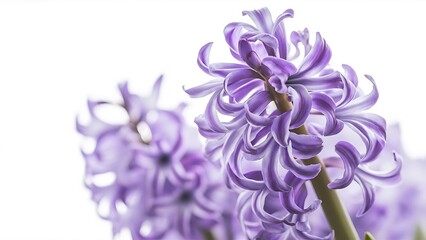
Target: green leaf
pixel 368 236
pixel 419 235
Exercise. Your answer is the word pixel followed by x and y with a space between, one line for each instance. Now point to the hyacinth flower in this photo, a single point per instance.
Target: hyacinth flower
pixel 148 175
pixel 271 115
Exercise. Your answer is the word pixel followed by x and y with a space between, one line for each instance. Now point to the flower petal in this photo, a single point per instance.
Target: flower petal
pixel 350 158
pixel 302 104
pixel 255 106
pixel 280 129
pixel 324 104
pixel 305 146
pixel 316 60
pixel 205 89
pixel 262 18
pixel 298 169
pixel 203 57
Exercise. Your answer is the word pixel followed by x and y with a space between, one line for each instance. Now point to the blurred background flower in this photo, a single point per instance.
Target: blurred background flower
pixel 148 175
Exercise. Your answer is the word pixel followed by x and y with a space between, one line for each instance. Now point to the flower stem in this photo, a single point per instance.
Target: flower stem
pixel 335 212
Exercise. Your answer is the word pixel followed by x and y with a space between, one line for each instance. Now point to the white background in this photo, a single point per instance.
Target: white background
pixel 53 55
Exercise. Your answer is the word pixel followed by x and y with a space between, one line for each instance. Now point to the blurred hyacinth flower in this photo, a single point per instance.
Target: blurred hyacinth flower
pixel 274 112
pixel 148 175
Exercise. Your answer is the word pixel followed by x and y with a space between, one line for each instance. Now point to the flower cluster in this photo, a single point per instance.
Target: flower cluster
pixel 149 176
pixel 277 109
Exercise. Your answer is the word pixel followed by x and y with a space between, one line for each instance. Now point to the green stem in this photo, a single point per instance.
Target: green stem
pixel 335 212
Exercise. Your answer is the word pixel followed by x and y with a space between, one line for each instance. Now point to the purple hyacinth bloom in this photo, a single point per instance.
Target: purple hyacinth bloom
pixel 156 187
pixel 279 104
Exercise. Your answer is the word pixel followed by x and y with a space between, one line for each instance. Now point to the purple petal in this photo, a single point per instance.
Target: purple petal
pixel 298 169
pixel 205 130
pixel 316 60
pixel 348 92
pixel 248 54
pixel 327 107
pixel 255 106
pixel 371 129
pixel 262 18
pixel 302 104
pixel 280 129
pixel 380 178
pixel 203 57
pixel 303 38
pixel 205 89
pixel 279 32
pixel 368 194
pixel 318 83
pixel 228 108
pixel 211 117
pixel 363 102
pixel 239 79
pixel 350 158
pixel 223 69
pixel 271 170
pixel 305 146
pixel 350 74
pixel 258 206
pixel 294 200
pixel 244 182
pixel 233 32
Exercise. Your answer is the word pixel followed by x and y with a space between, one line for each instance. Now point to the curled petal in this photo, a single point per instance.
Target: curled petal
pixel 303 38
pixel 302 104
pixel 248 54
pixel 370 133
pixel 279 32
pixel 294 200
pixel 327 107
pixel 235 81
pixel 203 57
pixel 350 158
pixel 361 103
pixel 280 129
pixel 279 66
pixel 233 32
pixel 348 92
pixel 211 117
pixel 331 80
pixel 205 130
pixel 380 178
pixel 223 69
pixel 298 169
pixel 258 203
pixel 350 74
pixel 229 108
pixel 262 18
pixel 316 60
pixel 205 89
pixel 255 106
pixel 368 193
pixel 245 182
pixel 271 170
pixel 305 146
pixel 256 142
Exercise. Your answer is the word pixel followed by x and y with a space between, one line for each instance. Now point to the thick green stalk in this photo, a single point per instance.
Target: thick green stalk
pixel 335 212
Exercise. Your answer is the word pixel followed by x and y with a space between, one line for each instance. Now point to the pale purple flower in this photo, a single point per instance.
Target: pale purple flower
pixel 156 187
pixel 257 139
